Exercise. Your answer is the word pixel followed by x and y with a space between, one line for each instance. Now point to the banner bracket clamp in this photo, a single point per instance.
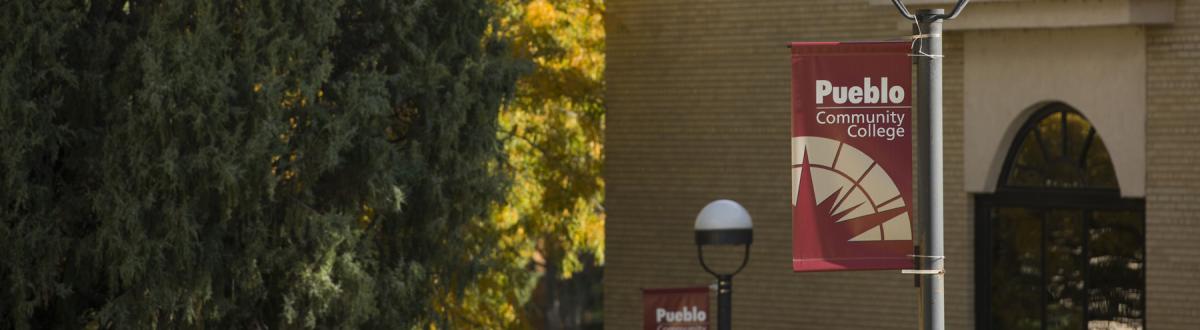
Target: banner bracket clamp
pixel 923 271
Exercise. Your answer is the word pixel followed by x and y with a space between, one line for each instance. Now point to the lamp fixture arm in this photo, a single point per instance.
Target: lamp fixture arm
pixel 958 8
pixel 745 260
pixel 903 10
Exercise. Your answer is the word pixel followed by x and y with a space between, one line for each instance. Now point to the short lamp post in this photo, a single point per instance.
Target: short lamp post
pixel 724 222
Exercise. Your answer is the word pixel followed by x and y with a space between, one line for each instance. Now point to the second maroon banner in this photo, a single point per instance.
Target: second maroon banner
pixel 851 156
pixel 675 309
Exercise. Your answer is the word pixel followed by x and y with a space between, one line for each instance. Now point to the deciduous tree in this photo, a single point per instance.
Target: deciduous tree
pixel 552 222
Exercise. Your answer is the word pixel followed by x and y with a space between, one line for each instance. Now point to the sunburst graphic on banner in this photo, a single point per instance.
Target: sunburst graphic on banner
pixel 848 188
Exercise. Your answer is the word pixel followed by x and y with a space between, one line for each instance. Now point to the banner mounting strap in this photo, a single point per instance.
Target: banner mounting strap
pixel 920 35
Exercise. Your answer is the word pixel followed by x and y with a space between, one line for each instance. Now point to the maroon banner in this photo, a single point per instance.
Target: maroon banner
pixel 851 156
pixel 675 309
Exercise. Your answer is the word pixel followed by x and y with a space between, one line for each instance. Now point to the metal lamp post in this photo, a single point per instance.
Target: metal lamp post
pixel 927 27
pixel 724 222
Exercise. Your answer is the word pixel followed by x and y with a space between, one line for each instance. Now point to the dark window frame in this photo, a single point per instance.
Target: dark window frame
pixel 1086 200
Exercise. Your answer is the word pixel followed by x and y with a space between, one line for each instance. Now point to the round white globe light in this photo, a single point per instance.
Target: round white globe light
pixel 723 214
pixel 724 222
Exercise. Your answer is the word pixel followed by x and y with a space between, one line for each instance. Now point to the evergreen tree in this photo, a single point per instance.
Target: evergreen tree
pixel 245 164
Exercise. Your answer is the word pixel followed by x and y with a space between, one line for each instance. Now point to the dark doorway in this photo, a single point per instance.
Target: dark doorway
pixel 1056 245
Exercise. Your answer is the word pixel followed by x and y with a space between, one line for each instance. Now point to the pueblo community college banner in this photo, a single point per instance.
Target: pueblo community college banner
pixel 675 309
pixel 851 156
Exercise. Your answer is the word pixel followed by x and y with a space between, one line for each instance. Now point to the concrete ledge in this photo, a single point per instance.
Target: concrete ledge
pixel 1009 74
pixel 1012 14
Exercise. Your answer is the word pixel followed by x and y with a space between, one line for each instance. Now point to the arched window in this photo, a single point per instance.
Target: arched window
pixel 1056 245
pixel 1058 148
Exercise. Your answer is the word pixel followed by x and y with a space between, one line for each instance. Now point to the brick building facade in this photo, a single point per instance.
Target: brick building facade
pixel 698 99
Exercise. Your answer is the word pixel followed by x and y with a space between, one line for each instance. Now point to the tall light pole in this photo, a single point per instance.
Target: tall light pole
pixel 927 48
pixel 724 222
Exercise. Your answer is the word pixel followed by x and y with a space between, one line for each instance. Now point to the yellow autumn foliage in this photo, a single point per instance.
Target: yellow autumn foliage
pixel 553 135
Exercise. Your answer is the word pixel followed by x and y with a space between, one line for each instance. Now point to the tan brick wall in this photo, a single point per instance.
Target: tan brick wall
pixel 698 96
pixel 959 219
pixel 1173 171
pixel 699 110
